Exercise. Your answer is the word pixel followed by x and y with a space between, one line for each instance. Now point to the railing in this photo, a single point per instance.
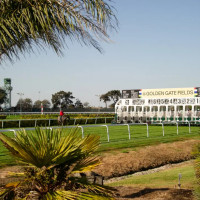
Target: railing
pixel 74 121
pixel 30 113
pixel 85 126
pixel 111 125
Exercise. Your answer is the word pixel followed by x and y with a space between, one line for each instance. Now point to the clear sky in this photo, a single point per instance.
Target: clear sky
pixel 157 46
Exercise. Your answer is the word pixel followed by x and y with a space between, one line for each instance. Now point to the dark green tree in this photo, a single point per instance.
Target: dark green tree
pixel 63 99
pixel 46 104
pixel 37 104
pixel 25 105
pixel 105 98
pixel 78 104
pixel 114 95
pixel 47 23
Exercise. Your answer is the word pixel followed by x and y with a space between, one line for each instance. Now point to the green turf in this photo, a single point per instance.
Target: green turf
pixel 164 179
pixel 119 138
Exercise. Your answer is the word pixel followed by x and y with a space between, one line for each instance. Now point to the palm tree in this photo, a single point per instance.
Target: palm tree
pixel 28 23
pixel 105 98
pixel 53 156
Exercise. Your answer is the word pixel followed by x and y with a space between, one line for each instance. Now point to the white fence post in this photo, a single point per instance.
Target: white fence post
pixel 147 130
pixel 129 133
pixel 19 123
pixel 35 123
pixel 82 131
pixel 14 132
pixel 177 127
pixel 163 129
pixel 74 121
pixel 107 133
pixel 189 127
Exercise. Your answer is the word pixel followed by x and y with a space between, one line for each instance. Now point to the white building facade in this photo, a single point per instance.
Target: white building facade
pixel 153 105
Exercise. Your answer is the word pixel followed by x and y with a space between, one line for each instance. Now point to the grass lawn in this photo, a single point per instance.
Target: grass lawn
pixel 119 138
pixel 164 179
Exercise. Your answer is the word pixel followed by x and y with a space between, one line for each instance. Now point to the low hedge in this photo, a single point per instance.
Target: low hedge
pixel 54 116
pixel 31 123
pixel 3 116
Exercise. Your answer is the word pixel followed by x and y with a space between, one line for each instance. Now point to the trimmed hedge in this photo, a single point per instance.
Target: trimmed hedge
pixel 54 116
pixel 3 116
pixel 40 122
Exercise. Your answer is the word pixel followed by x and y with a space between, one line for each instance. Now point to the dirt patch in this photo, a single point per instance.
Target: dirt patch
pixel 153 193
pixel 145 158
pixel 4 174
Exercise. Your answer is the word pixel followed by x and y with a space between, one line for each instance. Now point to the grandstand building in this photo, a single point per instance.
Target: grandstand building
pixel 149 105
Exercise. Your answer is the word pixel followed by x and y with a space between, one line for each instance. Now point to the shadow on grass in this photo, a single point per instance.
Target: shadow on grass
pixel 156 193
pixel 145 191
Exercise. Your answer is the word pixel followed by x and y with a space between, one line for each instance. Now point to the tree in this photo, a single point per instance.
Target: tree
pixel 86 104
pixel 46 104
pixel 3 96
pixel 37 104
pixel 114 95
pixel 78 104
pixel 28 23
pixel 105 98
pixel 53 156
pixel 25 105
pixel 63 99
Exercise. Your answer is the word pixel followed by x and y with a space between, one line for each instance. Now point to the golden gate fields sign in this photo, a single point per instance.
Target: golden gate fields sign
pixel 168 93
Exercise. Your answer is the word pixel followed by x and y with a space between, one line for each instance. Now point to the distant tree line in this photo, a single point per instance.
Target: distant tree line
pixel 60 100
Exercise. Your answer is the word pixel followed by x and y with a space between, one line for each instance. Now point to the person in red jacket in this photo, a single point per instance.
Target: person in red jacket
pixel 61 115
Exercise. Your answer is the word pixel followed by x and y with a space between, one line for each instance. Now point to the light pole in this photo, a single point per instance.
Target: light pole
pixel 98 95
pixel 20 94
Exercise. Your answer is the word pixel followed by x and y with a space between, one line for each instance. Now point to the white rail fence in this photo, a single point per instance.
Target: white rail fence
pixel 107 128
pixel 50 120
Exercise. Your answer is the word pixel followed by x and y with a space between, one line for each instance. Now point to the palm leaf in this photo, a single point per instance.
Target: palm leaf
pixel 47 22
pixel 49 148
pixel 73 195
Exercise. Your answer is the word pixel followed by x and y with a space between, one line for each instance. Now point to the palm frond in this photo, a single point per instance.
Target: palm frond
pixel 53 147
pixel 48 22
pixel 73 195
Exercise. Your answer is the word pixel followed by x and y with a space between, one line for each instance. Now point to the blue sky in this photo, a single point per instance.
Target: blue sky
pixel 157 46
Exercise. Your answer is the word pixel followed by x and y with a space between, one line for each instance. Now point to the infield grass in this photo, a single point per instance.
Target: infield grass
pixel 119 138
pixel 164 179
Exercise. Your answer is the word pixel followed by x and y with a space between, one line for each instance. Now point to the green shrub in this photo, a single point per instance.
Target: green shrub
pixel 3 116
